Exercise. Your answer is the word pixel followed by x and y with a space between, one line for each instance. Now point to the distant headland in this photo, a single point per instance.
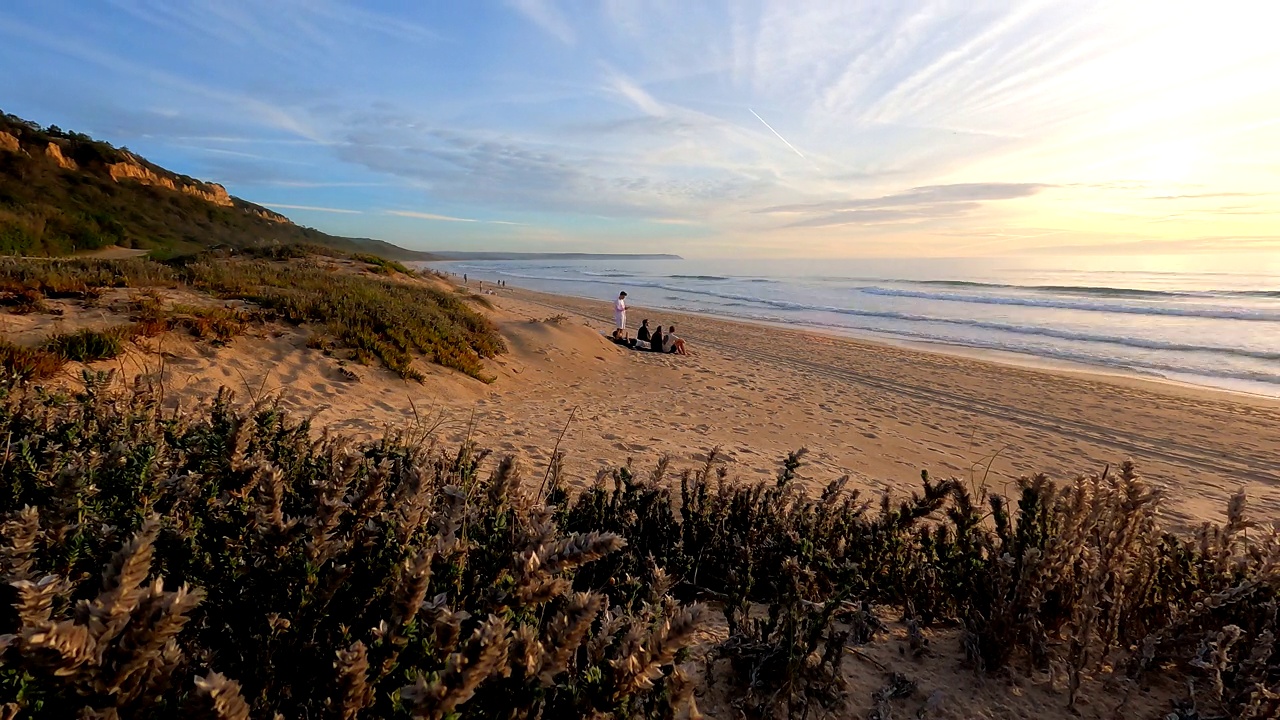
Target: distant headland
pixel 465 255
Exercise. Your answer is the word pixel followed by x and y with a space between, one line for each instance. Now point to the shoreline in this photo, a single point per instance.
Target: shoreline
pixel 878 412
pixel 1003 358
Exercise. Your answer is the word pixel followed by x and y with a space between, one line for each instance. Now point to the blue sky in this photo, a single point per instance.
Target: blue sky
pixel 705 128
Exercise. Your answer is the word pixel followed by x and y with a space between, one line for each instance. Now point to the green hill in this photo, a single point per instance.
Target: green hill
pixel 64 192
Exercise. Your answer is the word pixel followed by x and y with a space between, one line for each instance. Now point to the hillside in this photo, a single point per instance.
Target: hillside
pixel 64 192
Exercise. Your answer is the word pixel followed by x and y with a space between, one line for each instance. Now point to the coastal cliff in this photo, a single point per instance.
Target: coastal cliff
pixel 64 192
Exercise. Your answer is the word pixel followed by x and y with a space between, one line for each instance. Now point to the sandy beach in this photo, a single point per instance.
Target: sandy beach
pixel 877 412
pixel 882 414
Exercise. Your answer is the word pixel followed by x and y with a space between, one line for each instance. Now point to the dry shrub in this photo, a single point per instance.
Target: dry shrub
pixel 24 301
pixel 225 563
pixel 22 363
pixel 1075 580
pixel 390 579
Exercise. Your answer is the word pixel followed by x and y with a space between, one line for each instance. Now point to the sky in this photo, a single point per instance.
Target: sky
pixel 717 128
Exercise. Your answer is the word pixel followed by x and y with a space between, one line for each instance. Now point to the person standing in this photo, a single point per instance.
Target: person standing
pixel 620 313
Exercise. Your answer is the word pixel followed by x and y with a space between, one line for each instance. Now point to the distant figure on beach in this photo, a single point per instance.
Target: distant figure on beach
pixel 464 278
pixel 655 340
pixel 673 344
pixel 620 313
pixel 643 332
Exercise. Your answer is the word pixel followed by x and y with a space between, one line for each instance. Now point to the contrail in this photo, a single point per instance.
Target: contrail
pixel 775 132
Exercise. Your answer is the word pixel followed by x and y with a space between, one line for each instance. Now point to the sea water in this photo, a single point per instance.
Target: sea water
pixel 1211 322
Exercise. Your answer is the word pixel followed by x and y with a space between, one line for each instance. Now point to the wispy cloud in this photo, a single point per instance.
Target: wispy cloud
pixel 314 208
pixel 917 205
pixel 627 88
pixel 281 28
pixel 547 16
pixel 263 111
pixel 313 184
pixel 931 127
pixel 926 195
pixel 1191 245
pixel 446 218
pixel 1208 195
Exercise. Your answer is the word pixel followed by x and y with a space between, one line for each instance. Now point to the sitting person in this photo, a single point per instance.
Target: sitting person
pixel 625 341
pixel 655 340
pixel 643 332
pixel 672 343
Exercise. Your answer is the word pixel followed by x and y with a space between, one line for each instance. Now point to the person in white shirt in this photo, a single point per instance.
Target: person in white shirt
pixel 672 343
pixel 620 313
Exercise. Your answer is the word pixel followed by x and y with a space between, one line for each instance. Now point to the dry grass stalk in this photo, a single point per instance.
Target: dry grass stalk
pixel 464 671
pixel 422 582
pixel 353 670
pixel 221 698
pixel 564 635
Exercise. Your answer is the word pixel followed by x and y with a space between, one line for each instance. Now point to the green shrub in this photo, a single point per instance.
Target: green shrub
pixel 381 264
pixel 87 345
pixel 79 278
pixel 370 317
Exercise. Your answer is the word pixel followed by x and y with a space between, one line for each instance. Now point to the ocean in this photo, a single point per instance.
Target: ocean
pixel 1210 322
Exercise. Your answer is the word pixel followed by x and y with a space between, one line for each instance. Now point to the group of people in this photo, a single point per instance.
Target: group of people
pixel 652 339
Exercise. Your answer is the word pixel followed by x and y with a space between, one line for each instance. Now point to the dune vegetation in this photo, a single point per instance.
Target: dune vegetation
pixel 232 561
pixel 235 562
pixel 388 317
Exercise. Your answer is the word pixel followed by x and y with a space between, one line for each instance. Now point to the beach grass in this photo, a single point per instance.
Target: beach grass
pixel 87 345
pixel 374 319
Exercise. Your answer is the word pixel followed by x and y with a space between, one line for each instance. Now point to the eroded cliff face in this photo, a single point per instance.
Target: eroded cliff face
pixel 55 153
pixel 129 170
pixel 9 143
pixel 268 215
